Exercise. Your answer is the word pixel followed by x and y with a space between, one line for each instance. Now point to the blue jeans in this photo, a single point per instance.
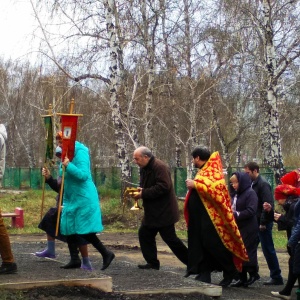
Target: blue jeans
pixel 267 245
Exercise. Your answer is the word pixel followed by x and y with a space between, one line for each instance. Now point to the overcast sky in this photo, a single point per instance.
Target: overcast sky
pixel 16 27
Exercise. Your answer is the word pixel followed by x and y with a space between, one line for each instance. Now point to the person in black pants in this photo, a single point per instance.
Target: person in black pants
pixel 244 207
pixel 214 241
pixel 49 220
pixel 294 244
pixel 285 196
pixel 160 209
pixel 81 215
pixel 264 193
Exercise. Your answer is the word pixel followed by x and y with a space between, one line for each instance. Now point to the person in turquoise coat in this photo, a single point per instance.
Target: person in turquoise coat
pixel 81 213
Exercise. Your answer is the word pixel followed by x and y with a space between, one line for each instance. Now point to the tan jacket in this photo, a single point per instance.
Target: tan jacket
pixel 3 138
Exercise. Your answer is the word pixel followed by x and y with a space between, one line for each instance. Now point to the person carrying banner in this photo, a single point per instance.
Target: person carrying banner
pixel 81 213
pixel 48 224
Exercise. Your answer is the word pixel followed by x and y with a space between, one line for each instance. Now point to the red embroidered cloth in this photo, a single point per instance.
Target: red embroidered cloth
pixel 212 190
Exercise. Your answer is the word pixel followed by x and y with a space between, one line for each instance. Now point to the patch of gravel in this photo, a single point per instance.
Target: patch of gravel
pixel 124 272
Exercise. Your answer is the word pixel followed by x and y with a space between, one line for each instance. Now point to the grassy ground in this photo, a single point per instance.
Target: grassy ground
pixel 116 218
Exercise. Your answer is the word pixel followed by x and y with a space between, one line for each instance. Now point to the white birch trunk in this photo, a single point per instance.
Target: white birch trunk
pixel 170 84
pixel 149 102
pixel 130 118
pixel 113 87
pixel 272 147
pixel 150 48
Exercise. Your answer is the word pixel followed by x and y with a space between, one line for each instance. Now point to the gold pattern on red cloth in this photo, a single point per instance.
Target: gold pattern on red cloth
pixel 212 190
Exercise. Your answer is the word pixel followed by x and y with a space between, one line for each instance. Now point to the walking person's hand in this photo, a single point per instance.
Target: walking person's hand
pixel 262 227
pixel 190 184
pixel 138 195
pixel 276 216
pixel 66 161
pixel 46 172
pixel 267 206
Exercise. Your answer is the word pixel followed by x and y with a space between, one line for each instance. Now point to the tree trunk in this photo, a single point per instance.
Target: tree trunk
pixel 113 88
pixel 272 142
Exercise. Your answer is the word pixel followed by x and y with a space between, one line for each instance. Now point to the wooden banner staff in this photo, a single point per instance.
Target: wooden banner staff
pixel 63 175
pixel 60 200
pixel 50 114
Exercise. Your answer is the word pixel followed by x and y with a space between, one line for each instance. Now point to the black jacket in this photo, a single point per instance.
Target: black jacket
pixel 245 215
pixel 264 193
pixel 246 205
pixel 159 199
pixel 285 222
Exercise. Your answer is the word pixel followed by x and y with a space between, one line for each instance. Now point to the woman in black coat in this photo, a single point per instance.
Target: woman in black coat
pixel 286 196
pixel 244 206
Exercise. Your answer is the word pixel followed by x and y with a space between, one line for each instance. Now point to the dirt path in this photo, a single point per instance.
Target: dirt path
pixel 123 242
pixel 123 271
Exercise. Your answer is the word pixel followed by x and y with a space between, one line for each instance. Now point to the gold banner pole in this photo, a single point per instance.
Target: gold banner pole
pixel 45 166
pixel 43 196
pixel 60 200
pixel 63 176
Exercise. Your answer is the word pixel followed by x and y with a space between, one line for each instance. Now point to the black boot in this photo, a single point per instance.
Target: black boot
pixel 253 272
pixel 107 255
pixel 204 277
pixel 242 282
pixel 75 261
pixel 253 277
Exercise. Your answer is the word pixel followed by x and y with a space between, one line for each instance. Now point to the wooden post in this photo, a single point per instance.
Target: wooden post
pixel 72 103
pixel 45 166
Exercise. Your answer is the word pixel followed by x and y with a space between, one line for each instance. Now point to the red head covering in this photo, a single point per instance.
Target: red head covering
pixel 282 191
pixel 292 178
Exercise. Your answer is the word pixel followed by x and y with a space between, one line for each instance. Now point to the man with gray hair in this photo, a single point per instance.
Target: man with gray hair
pixel 160 208
pixel 3 138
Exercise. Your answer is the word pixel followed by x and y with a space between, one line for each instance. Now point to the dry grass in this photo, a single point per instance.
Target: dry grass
pixel 31 203
pixel 115 217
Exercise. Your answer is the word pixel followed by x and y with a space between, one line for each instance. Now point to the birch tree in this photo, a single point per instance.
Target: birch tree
pixel 275 24
pixel 207 64
pixel 114 83
pixel 89 24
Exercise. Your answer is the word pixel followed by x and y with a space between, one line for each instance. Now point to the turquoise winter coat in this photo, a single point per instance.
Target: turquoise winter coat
pixel 81 212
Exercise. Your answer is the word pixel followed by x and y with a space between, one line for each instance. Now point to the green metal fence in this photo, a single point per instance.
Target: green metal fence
pixel 31 178
pixel 267 173
pixel 110 178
